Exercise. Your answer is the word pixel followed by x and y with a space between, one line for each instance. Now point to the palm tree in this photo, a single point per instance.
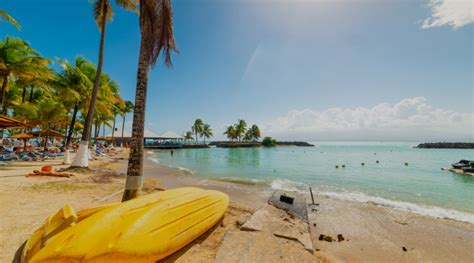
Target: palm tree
pixel 156 27
pixel 206 132
pixel 230 132
pixel 18 59
pixel 255 131
pixel 72 83
pixel 240 128
pixel 197 128
pixel 248 135
pixel 5 16
pixel 117 109
pixel 102 13
pixel 125 110
pixel 188 136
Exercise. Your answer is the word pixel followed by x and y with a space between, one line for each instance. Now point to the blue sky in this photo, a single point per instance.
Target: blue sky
pixel 265 60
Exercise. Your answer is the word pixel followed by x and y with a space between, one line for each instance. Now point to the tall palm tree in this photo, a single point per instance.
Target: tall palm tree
pixel 117 109
pixel 5 16
pixel 72 84
pixel 18 59
pixel 188 136
pixel 255 131
pixel 156 28
pixel 103 12
pixel 197 128
pixel 230 132
pixel 125 110
pixel 240 128
pixel 206 132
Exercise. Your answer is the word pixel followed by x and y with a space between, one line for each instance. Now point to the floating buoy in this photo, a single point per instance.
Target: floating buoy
pixel 337 166
pixel 362 164
pixel 377 161
pixel 343 166
pixel 406 164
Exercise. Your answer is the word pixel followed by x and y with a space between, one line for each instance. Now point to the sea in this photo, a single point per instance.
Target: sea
pixel 394 175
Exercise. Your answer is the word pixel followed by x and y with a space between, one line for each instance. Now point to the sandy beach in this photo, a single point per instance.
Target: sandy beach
pixel 371 233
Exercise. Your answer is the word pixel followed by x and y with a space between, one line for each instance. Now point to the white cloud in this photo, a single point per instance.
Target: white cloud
pixel 454 13
pixel 409 119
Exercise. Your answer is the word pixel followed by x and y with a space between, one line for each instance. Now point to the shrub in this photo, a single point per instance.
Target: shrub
pixel 268 142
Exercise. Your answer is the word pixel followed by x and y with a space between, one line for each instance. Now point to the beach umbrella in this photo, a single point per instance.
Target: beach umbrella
pixel 47 133
pixel 24 137
pixel 7 122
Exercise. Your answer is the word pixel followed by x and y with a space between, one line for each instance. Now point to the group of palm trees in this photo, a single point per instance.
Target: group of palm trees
pixel 199 130
pixel 31 73
pixel 41 97
pixel 240 132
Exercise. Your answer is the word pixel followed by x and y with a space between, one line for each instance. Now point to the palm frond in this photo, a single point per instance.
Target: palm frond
pixel 156 25
pixel 4 15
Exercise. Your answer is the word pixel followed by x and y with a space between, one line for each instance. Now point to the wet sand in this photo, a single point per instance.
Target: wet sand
pixel 372 233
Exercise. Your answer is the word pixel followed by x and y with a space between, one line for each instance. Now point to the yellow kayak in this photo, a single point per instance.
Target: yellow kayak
pixel 144 229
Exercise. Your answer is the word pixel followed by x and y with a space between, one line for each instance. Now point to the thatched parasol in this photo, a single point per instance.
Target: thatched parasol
pixel 7 122
pixel 24 137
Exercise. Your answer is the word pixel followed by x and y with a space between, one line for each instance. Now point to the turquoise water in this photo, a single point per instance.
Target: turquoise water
pixel 420 187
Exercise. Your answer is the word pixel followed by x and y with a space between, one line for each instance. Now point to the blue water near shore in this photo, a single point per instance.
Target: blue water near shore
pixel 421 187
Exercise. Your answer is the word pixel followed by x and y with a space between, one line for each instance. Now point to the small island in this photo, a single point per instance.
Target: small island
pixel 446 145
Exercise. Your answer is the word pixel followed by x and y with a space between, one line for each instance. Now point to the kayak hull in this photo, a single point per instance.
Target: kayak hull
pixel 144 229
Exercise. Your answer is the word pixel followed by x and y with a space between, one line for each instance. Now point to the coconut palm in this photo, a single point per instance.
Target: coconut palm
pixel 103 12
pixel 72 85
pixel 128 107
pixel 230 132
pixel 5 16
pixel 255 132
pixel 248 135
pixel 117 109
pixel 197 128
pixel 188 136
pixel 19 60
pixel 206 132
pixel 156 28
pixel 240 128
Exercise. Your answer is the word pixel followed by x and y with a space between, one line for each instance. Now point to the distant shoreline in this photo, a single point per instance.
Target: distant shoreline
pixel 227 144
pixel 446 145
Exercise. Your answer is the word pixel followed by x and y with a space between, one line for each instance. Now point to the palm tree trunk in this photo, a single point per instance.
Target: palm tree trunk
pixel 81 159
pixel 123 126
pixel 135 161
pixel 23 96
pixel 32 89
pixel 71 127
pixel 4 89
pixel 45 146
pixel 113 127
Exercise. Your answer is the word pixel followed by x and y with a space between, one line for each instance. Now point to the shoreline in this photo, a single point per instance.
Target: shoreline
pixel 374 232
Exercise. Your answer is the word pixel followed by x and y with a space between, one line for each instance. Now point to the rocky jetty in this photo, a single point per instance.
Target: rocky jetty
pixel 294 143
pixel 194 146
pixel 227 144
pixel 236 144
pixel 448 145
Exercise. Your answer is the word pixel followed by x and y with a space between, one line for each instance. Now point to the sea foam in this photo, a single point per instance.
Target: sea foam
pixel 424 210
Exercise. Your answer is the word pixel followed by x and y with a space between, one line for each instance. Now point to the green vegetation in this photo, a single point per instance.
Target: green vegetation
pixel 188 136
pixel 239 132
pixel 199 129
pixel 34 93
pixel 268 142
